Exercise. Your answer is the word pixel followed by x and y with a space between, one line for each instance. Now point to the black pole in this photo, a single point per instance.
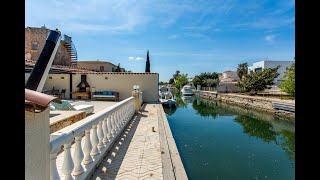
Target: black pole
pixel 70 85
pixel 44 62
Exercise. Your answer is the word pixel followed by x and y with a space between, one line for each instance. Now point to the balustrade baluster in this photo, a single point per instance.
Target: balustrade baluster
pixel 113 131
pixel 105 131
pixel 78 157
pixel 122 116
pixel 100 135
pixel 95 141
pixel 125 113
pixel 53 166
pixel 87 148
pixel 109 124
pixel 67 166
pixel 118 120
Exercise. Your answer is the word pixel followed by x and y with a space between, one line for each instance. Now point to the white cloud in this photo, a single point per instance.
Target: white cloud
pixel 139 59
pixel 270 38
pixel 135 59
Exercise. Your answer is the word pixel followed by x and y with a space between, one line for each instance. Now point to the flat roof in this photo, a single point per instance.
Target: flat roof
pixel 276 61
pixel 95 61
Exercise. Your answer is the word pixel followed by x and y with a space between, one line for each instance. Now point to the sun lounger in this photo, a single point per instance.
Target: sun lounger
pixel 67 106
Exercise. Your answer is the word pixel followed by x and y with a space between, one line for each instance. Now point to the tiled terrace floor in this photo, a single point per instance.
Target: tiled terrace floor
pixel 136 154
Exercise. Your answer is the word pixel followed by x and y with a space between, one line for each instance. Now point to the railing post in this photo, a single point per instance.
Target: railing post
pixel 136 100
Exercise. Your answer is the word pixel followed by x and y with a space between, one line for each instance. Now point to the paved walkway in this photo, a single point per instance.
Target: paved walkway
pixel 136 154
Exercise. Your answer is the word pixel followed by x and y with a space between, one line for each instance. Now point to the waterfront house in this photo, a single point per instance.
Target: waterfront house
pixel 228 80
pixel 259 66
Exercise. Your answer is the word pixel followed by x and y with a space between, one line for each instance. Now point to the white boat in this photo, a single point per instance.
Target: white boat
pixel 187 91
pixel 165 96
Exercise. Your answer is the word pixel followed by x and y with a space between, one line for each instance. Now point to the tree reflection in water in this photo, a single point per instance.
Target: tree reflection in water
pixel 179 101
pixel 169 110
pixel 255 123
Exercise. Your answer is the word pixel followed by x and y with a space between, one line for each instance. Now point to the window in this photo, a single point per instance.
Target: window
pixel 34 45
pixel 258 69
pixel 101 68
pixel 113 69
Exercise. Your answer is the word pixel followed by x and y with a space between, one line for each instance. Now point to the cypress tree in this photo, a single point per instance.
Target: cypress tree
pixel 148 62
pixel 118 68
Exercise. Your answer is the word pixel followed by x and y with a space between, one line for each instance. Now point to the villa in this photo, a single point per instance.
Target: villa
pixel 259 66
pixel 228 80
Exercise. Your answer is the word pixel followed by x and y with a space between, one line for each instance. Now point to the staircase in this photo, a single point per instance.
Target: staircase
pixel 67 42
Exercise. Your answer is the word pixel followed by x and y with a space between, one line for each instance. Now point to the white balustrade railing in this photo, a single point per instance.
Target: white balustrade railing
pixel 98 134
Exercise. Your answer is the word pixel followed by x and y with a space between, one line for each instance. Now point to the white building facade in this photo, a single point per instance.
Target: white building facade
pixel 259 66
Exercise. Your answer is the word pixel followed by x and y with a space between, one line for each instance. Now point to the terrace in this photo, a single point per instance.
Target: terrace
pixel 103 144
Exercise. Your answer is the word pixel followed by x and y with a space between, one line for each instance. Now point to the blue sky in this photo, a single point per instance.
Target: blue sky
pixel 190 36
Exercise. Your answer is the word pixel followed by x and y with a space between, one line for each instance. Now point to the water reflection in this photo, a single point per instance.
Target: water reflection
pixel 179 101
pixel 169 110
pixel 268 128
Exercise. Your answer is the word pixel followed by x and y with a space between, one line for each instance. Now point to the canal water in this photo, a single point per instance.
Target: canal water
pixel 226 142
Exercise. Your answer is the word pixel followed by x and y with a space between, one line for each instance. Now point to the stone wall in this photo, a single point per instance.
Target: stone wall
pixel 259 103
pixel 66 122
pixel 39 36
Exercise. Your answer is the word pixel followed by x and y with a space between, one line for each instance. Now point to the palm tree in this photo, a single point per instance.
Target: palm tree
pixel 242 69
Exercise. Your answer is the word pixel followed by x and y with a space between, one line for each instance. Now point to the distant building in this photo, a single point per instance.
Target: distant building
pixel 259 66
pixel 98 66
pixel 229 76
pixel 228 81
pixel 35 39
